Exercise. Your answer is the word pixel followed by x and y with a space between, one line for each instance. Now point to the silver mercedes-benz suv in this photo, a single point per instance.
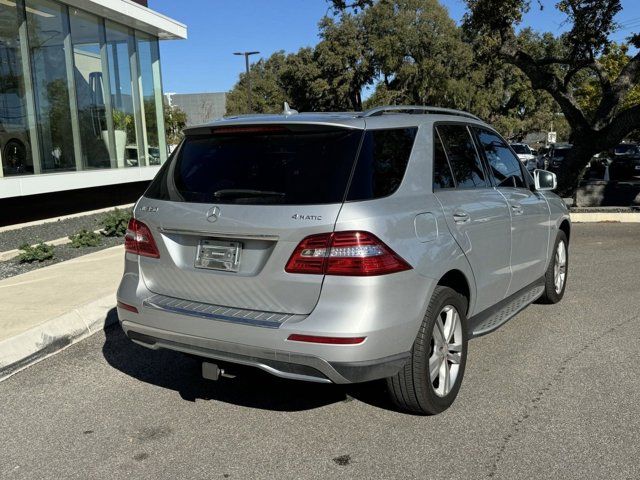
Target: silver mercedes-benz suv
pixel 342 247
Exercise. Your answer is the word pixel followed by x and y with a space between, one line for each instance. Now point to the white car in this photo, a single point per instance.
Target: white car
pixel 525 155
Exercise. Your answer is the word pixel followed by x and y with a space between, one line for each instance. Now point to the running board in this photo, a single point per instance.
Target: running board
pixel 494 317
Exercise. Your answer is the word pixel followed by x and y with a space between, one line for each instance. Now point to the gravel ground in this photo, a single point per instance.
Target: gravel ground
pixel 12 239
pixel 13 267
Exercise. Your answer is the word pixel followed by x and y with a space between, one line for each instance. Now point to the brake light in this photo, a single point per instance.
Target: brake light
pixel 249 129
pixel 350 253
pixel 138 240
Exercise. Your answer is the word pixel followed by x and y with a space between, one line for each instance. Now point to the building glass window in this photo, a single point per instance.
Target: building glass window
pixel 94 135
pixel 148 90
pixel 119 46
pixel 46 25
pixel 15 149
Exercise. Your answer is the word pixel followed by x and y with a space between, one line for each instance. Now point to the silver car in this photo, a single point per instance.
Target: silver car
pixel 342 247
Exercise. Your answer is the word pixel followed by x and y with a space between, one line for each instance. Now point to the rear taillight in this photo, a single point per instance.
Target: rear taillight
pixel 139 240
pixel 345 253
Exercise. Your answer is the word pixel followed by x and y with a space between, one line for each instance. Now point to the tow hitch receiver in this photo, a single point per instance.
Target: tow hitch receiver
pixel 211 371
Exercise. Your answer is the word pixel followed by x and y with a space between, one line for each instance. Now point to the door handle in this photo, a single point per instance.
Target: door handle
pixel 517 209
pixel 461 217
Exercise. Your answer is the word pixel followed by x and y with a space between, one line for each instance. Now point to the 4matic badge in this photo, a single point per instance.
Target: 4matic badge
pixel 298 216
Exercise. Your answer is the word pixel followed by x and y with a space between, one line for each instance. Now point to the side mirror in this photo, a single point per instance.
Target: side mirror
pixel 544 180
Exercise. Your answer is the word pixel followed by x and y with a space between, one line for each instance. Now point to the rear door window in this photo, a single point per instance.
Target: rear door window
pixel 382 163
pixel 462 155
pixel 506 168
pixel 261 164
pixel 442 176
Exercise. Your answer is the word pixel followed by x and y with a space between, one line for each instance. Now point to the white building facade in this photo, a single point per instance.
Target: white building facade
pixel 81 101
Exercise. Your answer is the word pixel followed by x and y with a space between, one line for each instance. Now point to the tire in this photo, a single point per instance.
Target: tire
pixel 412 389
pixel 553 294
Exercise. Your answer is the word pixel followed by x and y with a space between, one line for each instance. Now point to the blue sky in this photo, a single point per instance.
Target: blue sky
pixel 217 28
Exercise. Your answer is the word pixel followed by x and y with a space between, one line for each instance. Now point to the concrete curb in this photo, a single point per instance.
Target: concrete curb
pixel 595 217
pixel 25 349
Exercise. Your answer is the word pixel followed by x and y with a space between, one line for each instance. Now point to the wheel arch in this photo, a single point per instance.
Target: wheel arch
pixel 458 281
pixel 565 226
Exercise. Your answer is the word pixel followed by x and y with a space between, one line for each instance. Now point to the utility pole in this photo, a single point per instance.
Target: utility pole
pixel 246 62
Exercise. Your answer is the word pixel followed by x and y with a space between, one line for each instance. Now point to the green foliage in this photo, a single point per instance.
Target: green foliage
pixel 589 91
pixel 125 122
pixel 175 119
pixel 114 223
pixel 36 253
pixel 85 238
pixel 593 80
pixel 268 95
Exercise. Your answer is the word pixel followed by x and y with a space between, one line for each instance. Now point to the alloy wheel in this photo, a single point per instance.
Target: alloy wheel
pixel 560 267
pixel 446 350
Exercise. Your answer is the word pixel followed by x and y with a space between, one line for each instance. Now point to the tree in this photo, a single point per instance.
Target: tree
pixel 267 93
pixel 419 53
pixel 329 76
pixel 175 119
pixel 558 65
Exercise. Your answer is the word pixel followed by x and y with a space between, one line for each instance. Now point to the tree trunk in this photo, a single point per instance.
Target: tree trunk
pixel 572 168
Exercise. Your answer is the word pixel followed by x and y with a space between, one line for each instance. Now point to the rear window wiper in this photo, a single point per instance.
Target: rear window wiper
pixel 239 192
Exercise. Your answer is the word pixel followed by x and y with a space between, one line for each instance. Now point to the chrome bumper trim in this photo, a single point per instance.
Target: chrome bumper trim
pixel 254 318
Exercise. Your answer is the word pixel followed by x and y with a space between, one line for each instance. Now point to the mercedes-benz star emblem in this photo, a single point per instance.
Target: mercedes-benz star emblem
pixel 213 213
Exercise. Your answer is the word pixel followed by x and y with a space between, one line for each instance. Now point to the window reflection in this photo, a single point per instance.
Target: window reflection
pixel 145 59
pixel 122 102
pixel 94 135
pixel 15 147
pixel 45 26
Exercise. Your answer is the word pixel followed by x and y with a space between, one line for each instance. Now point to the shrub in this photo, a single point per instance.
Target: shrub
pixel 114 223
pixel 37 253
pixel 85 238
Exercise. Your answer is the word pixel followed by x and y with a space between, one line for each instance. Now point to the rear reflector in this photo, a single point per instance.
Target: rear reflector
pixel 331 340
pixel 138 240
pixel 126 306
pixel 351 253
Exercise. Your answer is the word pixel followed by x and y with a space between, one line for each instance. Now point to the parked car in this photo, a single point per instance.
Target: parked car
pixel 598 165
pixel 556 155
pixel 625 162
pixel 342 247
pixel 542 158
pixel 526 155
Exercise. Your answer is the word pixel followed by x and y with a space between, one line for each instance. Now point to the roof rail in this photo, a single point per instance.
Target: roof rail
pixel 415 109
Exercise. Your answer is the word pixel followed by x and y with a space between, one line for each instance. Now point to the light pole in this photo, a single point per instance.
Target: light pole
pixel 246 62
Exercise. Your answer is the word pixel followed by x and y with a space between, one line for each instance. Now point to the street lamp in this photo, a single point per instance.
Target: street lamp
pixel 246 62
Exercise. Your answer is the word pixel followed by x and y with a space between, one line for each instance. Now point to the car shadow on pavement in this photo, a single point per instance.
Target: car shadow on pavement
pixel 251 387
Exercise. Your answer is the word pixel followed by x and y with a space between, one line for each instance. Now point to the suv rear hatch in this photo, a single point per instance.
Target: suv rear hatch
pixel 230 206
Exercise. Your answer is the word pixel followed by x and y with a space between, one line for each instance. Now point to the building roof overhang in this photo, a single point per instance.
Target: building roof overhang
pixel 134 15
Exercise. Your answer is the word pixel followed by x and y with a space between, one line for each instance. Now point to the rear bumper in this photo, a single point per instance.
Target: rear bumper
pixel 387 310
pixel 283 364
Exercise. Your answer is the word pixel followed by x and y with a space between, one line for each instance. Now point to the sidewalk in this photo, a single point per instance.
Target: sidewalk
pixel 49 308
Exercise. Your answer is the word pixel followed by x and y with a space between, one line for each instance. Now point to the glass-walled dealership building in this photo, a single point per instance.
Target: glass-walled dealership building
pixel 80 94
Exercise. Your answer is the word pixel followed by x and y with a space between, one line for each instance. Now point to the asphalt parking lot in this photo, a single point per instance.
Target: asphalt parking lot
pixel 555 393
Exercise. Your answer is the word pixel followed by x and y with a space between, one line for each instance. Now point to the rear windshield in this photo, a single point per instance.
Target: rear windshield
pixel 284 165
pixel 520 149
pixel 261 165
